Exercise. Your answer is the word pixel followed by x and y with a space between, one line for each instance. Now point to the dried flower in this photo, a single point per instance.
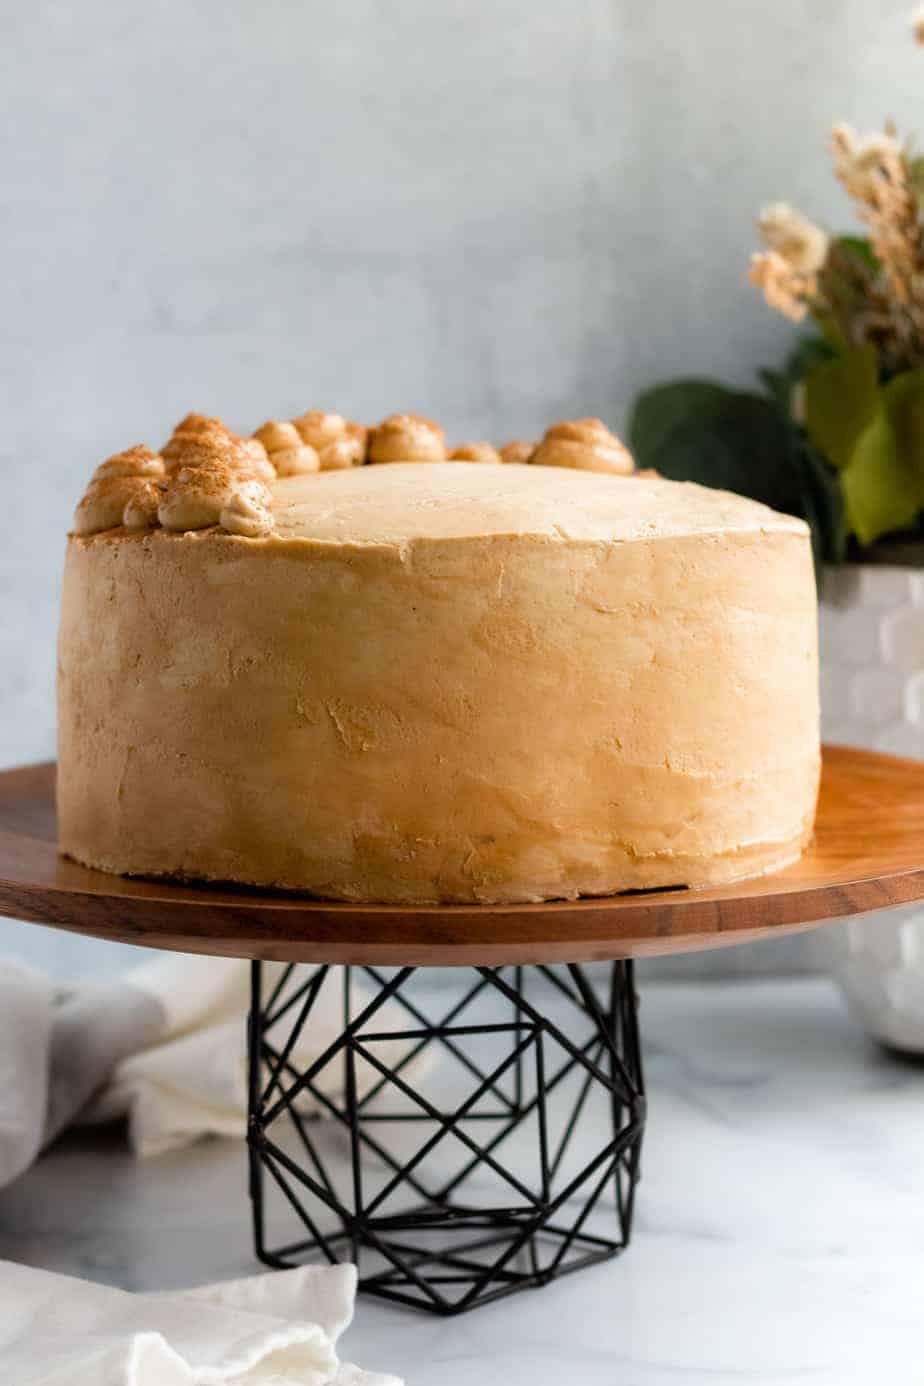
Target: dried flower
pixel 785 230
pixel 876 173
pixel 784 288
pixel 862 162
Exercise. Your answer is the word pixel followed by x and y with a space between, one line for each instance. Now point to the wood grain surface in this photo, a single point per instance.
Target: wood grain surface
pixel 868 854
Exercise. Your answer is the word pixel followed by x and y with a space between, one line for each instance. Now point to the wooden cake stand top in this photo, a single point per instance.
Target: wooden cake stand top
pixel 868 854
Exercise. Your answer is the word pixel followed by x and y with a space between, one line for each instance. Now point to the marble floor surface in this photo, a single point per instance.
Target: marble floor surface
pixel 779 1233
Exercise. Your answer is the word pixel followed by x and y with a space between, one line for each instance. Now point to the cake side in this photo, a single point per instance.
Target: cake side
pixel 439 717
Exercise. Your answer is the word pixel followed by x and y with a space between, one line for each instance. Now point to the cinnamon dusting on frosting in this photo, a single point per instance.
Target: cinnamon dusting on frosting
pixel 195 430
pixel 210 452
pixel 196 496
pixel 136 461
pixel 205 472
pixel 141 508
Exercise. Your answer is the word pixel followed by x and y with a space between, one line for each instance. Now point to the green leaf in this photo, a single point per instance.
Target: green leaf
pixel 804 355
pixel 830 329
pixel 658 413
pixel 859 248
pixel 823 506
pixel 877 489
pixel 841 398
pixel 693 430
pixel 904 399
pixel 884 481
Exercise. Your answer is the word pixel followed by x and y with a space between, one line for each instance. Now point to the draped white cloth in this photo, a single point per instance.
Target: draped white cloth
pixel 164 1045
pixel 272 1330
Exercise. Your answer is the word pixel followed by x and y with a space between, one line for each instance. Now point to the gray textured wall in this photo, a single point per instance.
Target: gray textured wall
pixel 497 212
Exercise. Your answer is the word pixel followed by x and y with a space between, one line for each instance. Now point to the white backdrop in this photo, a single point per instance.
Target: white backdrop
pixel 494 211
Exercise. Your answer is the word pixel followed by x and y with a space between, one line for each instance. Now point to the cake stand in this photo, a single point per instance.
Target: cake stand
pixel 486 1173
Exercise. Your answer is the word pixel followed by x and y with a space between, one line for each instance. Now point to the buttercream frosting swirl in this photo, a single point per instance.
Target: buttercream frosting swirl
pixel 106 499
pixel 346 451
pixel 196 496
pixel 259 459
pixel 475 452
pixel 193 430
pixel 407 438
pixel 318 429
pixel 586 444
pixel 136 461
pixel 517 451
pixel 248 512
pixel 141 508
pixel 289 455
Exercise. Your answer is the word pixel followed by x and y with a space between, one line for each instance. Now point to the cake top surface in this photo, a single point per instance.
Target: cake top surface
pixel 318 478
pixel 452 500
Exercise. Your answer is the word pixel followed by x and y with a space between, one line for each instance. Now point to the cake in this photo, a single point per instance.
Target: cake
pixel 367 666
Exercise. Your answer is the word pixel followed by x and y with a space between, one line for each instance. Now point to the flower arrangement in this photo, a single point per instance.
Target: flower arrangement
pixel 837 435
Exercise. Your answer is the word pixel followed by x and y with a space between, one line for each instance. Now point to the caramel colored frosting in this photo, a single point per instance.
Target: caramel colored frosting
pixel 205 476
pixel 314 442
pixel 136 461
pixel 517 451
pixel 289 455
pixel 586 444
pixel 475 452
pixel 456 500
pixel 407 438
pixel 194 429
pixel 346 451
pixel 318 429
pixel 248 511
pixel 260 464
pixel 196 496
pixel 141 508
pixel 461 682
pixel 106 500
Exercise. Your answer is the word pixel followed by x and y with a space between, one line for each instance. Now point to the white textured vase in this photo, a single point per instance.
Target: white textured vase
pixel 872 695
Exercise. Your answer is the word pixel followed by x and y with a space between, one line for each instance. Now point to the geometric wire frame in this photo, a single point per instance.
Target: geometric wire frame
pixel 490 1147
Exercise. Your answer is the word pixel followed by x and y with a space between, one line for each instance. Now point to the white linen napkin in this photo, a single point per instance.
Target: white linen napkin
pixel 25 1024
pixel 164 1045
pixel 270 1330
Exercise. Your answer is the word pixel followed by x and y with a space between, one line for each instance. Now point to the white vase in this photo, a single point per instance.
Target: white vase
pixel 872 695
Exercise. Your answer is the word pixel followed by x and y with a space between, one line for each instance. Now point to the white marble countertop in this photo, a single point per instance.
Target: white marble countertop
pixel 779 1232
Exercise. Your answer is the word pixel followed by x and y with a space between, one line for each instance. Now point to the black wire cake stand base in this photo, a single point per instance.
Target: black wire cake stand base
pixel 464 1186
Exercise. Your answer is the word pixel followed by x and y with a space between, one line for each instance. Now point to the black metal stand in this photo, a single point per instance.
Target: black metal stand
pixel 467 1179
